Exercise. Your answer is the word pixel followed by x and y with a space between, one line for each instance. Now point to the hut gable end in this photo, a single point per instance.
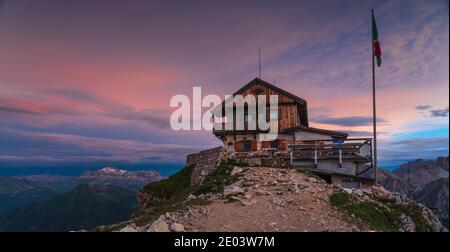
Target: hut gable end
pixel 292 110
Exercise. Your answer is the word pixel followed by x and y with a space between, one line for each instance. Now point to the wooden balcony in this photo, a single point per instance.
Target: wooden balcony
pixel 351 157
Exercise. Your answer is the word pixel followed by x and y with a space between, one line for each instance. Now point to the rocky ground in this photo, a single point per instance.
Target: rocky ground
pixel 269 199
pixel 262 199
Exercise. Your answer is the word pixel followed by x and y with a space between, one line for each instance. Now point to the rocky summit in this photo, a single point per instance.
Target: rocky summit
pixel 260 199
pixel 425 181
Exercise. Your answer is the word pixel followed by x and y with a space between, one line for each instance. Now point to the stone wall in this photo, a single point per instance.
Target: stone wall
pixel 230 140
pixel 204 163
pixel 275 159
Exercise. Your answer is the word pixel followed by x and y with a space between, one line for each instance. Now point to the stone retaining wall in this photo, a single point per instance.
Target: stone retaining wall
pixel 275 159
pixel 204 163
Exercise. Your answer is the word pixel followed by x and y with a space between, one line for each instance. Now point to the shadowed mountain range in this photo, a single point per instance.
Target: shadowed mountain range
pixel 21 191
pixel 84 207
pixel 425 181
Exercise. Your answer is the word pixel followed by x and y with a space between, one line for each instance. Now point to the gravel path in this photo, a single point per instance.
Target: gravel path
pixel 270 199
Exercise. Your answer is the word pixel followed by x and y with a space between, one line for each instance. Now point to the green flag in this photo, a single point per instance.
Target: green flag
pixel 376 42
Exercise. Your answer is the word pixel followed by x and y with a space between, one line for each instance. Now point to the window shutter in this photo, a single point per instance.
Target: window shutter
pixel 237 146
pixel 282 145
pixel 254 145
pixel 265 144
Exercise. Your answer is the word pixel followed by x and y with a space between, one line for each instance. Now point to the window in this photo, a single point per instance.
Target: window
pixel 246 145
pixel 274 144
pixel 273 115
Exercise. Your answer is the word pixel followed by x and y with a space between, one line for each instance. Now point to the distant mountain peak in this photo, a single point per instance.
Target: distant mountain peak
pixel 112 171
pixel 126 179
pixel 116 172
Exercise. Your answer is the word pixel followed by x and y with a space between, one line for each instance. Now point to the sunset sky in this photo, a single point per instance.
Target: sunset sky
pixel 88 83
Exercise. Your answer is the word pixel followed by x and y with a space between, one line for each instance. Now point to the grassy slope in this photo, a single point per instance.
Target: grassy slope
pixel 169 194
pixel 380 215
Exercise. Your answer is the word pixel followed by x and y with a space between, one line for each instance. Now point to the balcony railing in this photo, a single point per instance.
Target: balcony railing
pixel 357 150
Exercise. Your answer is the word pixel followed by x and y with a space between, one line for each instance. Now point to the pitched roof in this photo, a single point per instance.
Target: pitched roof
pixel 271 86
pixel 317 130
pixel 258 81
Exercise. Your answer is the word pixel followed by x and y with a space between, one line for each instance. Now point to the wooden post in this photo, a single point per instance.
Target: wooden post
pixel 292 156
pixel 315 154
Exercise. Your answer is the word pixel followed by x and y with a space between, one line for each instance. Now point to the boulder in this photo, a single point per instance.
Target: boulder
pixel 232 190
pixel 233 198
pixel 358 193
pixel 311 179
pixel 176 227
pixel 191 197
pixel 129 229
pixel 347 190
pixel 246 203
pixel 159 226
pixel 236 170
pixel 405 223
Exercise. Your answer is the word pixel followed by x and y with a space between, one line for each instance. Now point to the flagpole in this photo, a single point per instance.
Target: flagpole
pixel 374 117
pixel 259 61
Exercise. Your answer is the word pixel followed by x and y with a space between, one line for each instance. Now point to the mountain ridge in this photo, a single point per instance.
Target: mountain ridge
pixel 19 191
pixel 84 207
pixel 425 181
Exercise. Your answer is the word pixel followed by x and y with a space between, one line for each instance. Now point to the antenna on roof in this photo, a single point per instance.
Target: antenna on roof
pixel 259 61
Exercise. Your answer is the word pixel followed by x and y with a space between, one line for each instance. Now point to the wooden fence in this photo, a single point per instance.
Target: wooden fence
pixel 354 149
